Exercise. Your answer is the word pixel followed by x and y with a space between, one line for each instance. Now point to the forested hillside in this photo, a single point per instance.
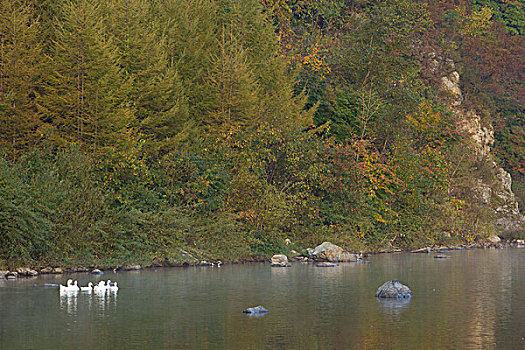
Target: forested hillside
pixel 139 130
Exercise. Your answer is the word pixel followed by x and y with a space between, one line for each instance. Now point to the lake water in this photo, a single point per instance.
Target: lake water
pixel 475 300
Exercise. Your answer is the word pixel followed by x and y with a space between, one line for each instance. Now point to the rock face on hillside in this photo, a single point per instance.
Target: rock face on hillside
pixel 494 188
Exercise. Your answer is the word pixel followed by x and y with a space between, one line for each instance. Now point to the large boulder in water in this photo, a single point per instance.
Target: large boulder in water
pixel 280 260
pixel 394 289
pixel 331 252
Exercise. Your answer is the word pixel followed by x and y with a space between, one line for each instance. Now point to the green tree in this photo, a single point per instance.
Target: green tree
pixel 156 95
pixel 87 98
pixel 21 75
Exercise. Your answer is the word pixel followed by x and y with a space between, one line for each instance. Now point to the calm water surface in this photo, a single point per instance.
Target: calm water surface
pixel 475 300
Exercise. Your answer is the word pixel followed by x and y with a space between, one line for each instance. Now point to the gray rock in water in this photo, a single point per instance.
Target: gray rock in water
pixel 442 256
pixel 326 264
pixel 331 252
pixel 280 260
pixel 393 289
pixel 256 310
pixel 97 272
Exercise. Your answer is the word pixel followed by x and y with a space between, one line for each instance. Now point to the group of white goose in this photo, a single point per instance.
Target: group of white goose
pixel 102 286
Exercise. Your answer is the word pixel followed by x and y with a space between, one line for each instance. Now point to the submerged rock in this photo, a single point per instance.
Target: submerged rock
pixel 393 289
pixel 326 264
pixel 256 310
pixel 442 256
pixel 280 260
pixel 331 252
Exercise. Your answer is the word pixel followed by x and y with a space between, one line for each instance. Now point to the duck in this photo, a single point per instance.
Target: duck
pixel 89 288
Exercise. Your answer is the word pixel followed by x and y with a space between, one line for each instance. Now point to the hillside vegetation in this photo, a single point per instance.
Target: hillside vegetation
pixel 133 130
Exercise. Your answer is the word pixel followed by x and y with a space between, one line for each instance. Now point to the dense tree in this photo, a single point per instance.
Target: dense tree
pixel 21 75
pixel 87 97
pixel 220 127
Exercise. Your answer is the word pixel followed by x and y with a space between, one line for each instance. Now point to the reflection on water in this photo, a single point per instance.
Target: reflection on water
pixel 256 315
pixel 98 302
pixel 394 306
pixel 68 302
pixel 475 300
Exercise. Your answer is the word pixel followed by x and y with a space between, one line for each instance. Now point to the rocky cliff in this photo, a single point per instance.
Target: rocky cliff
pixel 494 190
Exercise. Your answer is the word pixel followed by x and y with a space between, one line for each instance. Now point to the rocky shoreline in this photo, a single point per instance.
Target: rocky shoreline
pixel 323 255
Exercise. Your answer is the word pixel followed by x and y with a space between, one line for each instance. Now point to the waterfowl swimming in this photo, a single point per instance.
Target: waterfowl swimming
pixel 89 288
pixel 67 287
pixel 113 287
pixel 75 286
pixel 100 287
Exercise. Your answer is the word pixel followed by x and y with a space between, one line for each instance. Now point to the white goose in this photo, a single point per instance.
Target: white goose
pixel 114 287
pixel 100 287
pixel 89 288
pixel 75 287
pixel 110 284
pixel 67 287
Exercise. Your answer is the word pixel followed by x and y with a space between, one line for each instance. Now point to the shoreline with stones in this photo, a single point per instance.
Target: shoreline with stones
pixel 324 255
